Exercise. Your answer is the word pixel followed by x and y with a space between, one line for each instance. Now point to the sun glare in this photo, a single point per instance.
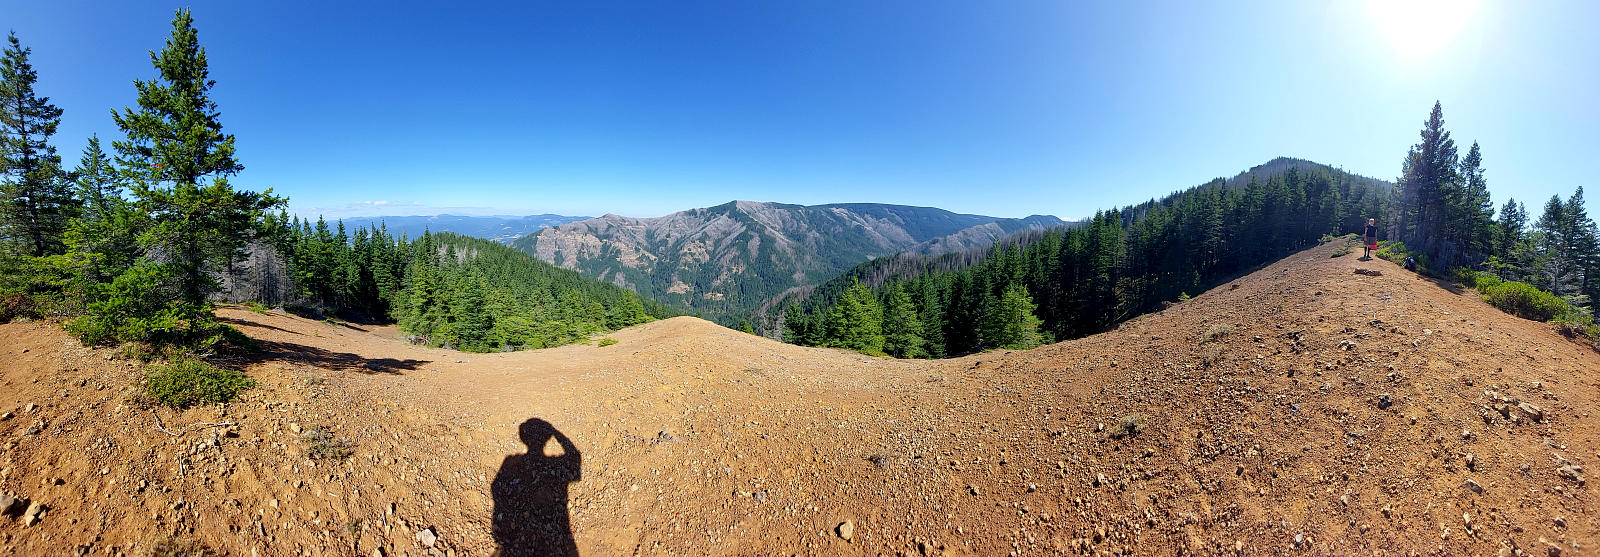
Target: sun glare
pixel 1420 29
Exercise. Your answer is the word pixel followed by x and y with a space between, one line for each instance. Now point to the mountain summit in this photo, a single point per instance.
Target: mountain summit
pixel 722 261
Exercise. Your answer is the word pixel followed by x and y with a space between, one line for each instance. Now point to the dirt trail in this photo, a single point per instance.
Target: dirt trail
pixel 1331 413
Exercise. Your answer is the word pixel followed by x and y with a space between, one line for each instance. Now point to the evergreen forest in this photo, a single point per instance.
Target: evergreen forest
pixel 138 241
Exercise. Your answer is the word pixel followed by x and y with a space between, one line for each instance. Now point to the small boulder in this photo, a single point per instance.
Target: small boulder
pixel 1384 401
pixel 426 537
pixel 34 513
pixel 846 530
pixel 1532 411
pixel 1473 486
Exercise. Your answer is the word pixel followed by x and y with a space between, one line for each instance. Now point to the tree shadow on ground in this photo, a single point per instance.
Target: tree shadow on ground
pixel 236 322
pixel 530 495
pixel 328 359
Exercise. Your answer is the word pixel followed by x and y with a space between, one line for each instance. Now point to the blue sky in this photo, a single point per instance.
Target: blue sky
pixel 1002 108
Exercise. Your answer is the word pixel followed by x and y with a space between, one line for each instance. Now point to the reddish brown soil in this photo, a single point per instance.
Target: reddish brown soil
pixel 696 439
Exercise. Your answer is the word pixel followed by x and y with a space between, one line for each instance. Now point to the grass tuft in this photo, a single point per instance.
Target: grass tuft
pixel 322 445
pixel 187 382
pixel 1129 426
pixel 1215 332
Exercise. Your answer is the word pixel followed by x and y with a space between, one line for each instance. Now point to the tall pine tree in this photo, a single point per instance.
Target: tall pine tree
pixel 902 327
pixel 856 321
pixel 177 159
pixel 35 198
pixel 1427 173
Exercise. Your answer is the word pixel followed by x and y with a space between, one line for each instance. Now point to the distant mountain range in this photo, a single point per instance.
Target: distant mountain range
pixel 723 261
pixel 501 229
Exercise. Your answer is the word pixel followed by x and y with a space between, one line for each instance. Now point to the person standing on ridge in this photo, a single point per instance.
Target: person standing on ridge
pixel 1369 239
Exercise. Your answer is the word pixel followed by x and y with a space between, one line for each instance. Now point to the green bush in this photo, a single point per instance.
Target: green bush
pixel 1577 324
pixel 257 307
pixel 1484 281
pixel 607 341
pixel 1396 252
pixel 187 382
pixel 1464 277
pixel 1525 300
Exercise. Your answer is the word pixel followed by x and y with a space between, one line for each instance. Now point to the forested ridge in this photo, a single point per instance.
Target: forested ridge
pixel 444 289
pixel 135 245
pixel 1068 283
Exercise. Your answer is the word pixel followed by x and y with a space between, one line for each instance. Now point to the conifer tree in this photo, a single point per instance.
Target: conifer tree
pixel 1012 324
pixel 1566 239
pixel 931 313
pixel 627 313
pixel 856 321
pixel 35 198
pixel 470 321
pixel 106 225
pixel 1429 169
pixel 1513 218
pixel 902 327
pixel 1469 212
pixel 178 160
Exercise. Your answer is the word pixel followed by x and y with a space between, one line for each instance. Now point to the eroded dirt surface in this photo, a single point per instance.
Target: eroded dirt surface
pixel 1332 413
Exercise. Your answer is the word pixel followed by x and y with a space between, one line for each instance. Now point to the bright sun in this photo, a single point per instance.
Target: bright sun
pixel 1418 29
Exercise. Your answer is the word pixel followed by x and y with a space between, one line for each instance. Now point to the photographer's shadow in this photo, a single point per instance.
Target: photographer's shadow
pixel 530 494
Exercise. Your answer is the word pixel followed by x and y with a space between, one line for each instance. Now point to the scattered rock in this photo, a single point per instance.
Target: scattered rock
pixel 1472 462
pixel 1299 540
pixel 7 416
pixel 1100 480
pixel 1532 411
pixel 1384 401
pixel 1572 472
pixel 30 408
pixel 846 530
pixel 34 513
pixel 1472 485
pixel 1369 272
pixel 427 537
pixel 294 428
pixel 11 505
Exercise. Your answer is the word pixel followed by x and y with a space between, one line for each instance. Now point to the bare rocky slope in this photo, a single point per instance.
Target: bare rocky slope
pixel 723 261
pixel 1301 409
